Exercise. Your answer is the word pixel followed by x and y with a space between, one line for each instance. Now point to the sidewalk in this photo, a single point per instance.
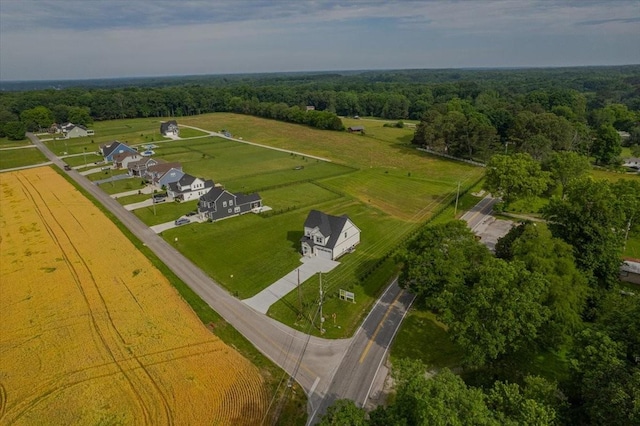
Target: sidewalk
pixel 262 301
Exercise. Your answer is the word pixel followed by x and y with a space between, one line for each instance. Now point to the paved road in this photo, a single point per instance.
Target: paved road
pixel 479 212
pixel 358 377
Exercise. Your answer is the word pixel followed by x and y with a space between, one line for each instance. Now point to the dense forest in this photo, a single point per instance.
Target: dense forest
pixel 464 113
pixel 551 291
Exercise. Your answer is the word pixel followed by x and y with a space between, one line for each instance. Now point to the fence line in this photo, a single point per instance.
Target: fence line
pixel 451 157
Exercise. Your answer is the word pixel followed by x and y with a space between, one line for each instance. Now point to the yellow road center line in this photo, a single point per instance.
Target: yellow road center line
pixel 375 333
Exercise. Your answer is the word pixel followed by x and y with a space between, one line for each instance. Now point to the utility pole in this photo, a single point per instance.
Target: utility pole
pixel 321 319
pixel 455 211
pixel 299 292
pixel 85 156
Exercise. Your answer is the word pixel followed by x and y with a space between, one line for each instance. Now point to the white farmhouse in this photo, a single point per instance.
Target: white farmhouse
pixel 189 188
pixel 328 236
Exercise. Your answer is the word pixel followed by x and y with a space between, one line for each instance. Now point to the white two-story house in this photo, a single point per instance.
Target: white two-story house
pixel 189 188
pixel 328 236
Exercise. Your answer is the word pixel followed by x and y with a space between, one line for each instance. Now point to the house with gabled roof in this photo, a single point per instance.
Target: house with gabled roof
pixel 114 148
pixel 122 160
pixel 328 236
pixel 169 128
pixel 189 188
pixel 219 204
pixel 76 131
pixel 156 171
pixel 139 168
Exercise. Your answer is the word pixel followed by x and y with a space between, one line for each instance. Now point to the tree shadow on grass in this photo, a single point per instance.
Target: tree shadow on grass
pixel 294 238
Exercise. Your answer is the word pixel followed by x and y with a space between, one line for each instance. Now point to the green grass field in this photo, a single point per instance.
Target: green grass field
pixel 164 212
pixel 11 158
pixel 6 143
pixel 120 185
pixel 186 132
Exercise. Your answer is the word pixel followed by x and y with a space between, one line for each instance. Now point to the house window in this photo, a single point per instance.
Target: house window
pixel 229 210
pixel 318 240
pixel 345 235
pixel 230 202
pixel 236 210
pixel 224 204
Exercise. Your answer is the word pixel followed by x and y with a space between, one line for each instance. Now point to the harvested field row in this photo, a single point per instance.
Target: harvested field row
pixel 92 333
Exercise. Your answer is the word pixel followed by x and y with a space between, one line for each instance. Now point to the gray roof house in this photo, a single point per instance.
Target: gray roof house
pixel 139 168
pixel 219 203
pixel 76 131
pixel 169 128
pixel 632 163
pixel 328 236
pixel 630 271
pixel 189 188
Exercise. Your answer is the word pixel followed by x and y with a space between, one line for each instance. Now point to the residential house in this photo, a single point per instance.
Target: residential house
pixel 630 271
pixel 122 160
pixel 169 128
pixel 189 188
pixel 78 131
pixel 170 176
pixel 218 203
pixel 328 236
pixel 355 129
pixel 156 171
pixel 632 163
pixel 139 168
pixel 114 148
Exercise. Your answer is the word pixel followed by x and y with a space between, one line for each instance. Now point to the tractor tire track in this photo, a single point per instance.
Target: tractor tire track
pixel 74 273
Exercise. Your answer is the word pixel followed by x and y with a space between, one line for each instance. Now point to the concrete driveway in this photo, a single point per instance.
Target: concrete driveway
pixel 170 225
pixel 270 295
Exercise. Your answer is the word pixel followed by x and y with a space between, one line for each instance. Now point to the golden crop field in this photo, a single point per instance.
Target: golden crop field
pixel 92 333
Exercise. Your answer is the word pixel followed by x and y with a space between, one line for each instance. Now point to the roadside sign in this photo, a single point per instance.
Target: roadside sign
pixel 347 296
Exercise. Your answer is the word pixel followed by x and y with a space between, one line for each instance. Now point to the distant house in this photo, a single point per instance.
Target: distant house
pixel 114 148
pixel 355 129
pixel 311 108
pixel 139 168
pixel 169 128
pixel 78 132
pixel 328 236
pixel 632 163
pixel 172 175
pixel 156 171
pixel 218 203
pixel 189 188
pixel 122 160
pixel 630 271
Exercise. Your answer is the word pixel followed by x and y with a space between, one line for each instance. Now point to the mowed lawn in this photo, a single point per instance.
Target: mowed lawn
pixel 7 143
pixel 11 158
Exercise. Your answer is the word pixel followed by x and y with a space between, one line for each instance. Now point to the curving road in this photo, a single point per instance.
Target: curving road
pixel 313 362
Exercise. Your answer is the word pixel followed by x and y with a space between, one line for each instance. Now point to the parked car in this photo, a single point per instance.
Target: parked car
pixel 182 221
pixel 67 167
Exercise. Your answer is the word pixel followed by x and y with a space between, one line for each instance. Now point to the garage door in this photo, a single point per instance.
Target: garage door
pixel 323 253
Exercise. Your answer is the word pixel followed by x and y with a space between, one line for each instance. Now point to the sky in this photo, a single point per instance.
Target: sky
pixel 84 39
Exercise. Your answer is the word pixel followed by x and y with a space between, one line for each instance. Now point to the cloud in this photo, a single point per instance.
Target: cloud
pixel 76 39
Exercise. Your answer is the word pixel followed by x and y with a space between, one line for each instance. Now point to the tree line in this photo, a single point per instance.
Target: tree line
pixel 466 113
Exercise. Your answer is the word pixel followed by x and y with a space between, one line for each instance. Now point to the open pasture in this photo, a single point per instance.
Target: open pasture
pixel 92 333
